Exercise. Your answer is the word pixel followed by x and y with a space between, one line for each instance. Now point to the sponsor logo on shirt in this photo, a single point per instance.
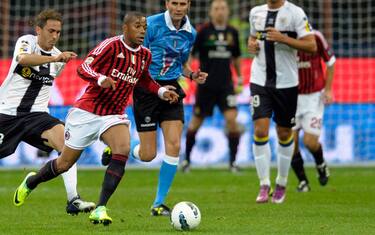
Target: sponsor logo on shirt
pixel 128 76
pixel 304 64
pixel 32 74
pixel 121 55
pixel 26 72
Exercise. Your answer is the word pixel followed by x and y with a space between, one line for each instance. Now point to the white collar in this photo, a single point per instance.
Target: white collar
pixel 127 46
pixel 168 21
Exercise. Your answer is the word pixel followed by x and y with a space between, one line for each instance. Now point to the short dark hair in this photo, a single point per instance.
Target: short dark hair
pixel 48 14
pixel 131 16
pixel 169 0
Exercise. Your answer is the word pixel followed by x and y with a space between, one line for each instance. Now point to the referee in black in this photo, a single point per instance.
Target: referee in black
pixel 217 44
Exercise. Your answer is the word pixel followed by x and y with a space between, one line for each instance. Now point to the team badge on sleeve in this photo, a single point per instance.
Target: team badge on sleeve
pixel 25 47
pixel 89 60
pixel 307 25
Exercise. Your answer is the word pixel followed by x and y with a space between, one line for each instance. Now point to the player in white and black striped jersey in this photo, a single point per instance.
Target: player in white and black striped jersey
pixel 24 96
pixel 278 30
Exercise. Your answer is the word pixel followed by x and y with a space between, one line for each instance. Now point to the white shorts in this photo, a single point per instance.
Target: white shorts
pixel 83 128
pixel 309 114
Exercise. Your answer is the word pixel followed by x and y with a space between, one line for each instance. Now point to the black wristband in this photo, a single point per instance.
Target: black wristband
pixel 191 75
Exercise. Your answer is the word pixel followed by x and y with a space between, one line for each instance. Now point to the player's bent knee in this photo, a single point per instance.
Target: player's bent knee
pixel 312 145
pixel 173 146
pixel 148 155
pixel 261 133
pixel 284 134
pixel 147 158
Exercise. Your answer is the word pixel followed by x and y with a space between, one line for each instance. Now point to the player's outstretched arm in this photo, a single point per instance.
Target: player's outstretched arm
pixel 34 59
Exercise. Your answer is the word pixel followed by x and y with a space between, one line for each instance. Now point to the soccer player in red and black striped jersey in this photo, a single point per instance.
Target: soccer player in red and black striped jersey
pixel 315 90
pixel 112 69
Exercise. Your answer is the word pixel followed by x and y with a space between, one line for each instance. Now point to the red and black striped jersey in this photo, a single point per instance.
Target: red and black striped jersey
pixel 125 65
pixel 310 68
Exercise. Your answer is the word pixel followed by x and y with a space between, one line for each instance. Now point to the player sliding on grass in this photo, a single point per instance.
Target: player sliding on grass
pixel 113 68
pixel 24 96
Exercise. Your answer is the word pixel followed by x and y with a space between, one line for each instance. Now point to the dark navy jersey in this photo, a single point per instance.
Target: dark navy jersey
pixel 216 48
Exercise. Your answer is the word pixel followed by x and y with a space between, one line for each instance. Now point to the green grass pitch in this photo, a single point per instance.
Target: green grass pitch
pixel 227 203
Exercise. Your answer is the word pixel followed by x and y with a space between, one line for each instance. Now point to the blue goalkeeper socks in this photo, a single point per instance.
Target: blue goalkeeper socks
pixel 168 170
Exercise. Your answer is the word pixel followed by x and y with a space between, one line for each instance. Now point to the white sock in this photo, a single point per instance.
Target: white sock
pixel 284 157
pixel 70 182
pixel 171 160
pixel 262 159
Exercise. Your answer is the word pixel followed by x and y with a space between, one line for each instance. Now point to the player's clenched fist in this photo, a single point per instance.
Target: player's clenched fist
pixel 253 46
pixel 274 35
pixel 107 82
pixel 199 76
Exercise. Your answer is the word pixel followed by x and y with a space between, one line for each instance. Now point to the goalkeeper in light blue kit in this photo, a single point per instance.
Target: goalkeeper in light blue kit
pixel 170 37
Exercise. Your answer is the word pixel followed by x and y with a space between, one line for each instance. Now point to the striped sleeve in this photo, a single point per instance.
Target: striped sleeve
pixel 324 49
pixel 146 80
pixel 101 54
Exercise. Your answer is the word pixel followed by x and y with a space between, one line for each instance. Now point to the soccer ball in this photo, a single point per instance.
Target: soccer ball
pixel 185 216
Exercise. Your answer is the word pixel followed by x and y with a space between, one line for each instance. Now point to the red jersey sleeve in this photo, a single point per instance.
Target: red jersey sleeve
pixel 146 80
pixel 323 48
pixel 148 83
pixel 96 58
